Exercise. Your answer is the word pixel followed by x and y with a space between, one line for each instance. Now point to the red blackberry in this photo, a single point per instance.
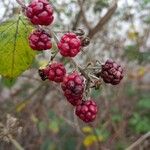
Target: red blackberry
pixel 40 40
pixel 111 72
pixel 69 45
pixel 54 72
pixel 40 12
pixel 87 110
pixel 73 87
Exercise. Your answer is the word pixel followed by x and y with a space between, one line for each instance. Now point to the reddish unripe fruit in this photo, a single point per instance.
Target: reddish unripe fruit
pixel 40 40
pixel 40 12
pixel 54 72
pixel 111 72
pixel 73 87
pixel 87 110
pixel 69 45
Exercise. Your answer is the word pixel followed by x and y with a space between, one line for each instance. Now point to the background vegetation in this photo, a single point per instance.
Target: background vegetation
pixel 117 29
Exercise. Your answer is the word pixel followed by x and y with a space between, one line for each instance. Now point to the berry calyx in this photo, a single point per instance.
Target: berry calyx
pixel 40 40
pixel 69 45
pixel 73 87
pixel 111 72
pixel 40 12
pixel 87 110
pixel 54 72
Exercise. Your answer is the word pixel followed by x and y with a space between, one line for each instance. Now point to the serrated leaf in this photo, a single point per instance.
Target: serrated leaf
pixel 16 55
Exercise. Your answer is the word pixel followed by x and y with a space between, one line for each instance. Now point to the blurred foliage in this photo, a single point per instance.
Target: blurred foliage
pixel 100 4
pixel 55 128
pixel 140 121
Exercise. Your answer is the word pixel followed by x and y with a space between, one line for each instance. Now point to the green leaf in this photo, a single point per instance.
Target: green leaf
pixel 48 144
pixel 8 82
pixel 96 93
pixel 54 126
pixel 139 124
pixel 70 144
pixel 100 4
pixel 144 103
pixel 103 133
pixel 16 55
pixel 146 1
pixel 42 127
pixel 132 52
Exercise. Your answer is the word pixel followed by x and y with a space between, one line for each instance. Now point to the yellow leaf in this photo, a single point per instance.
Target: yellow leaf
pixel 21 106
pixel 132 35
pixel 34 118
pixel 91 139
pixel 87 129
pixel 141 71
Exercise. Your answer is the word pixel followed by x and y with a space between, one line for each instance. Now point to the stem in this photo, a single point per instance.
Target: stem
pixel 57 41
pixel 81 70
pixel 140 140
pixel 93 76
pixel 15 143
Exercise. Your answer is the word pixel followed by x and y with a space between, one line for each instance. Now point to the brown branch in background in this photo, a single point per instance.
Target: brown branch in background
pixel 78 16
pixel 103 20
pixel 139 141
pixel 82 13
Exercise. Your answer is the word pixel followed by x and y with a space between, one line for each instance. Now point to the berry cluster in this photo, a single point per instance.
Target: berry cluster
pixel 76 84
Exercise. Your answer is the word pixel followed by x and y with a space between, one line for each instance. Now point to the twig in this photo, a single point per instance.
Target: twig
pixel 15 143
pixel 103 20
pixel 83 14
pixel 140 140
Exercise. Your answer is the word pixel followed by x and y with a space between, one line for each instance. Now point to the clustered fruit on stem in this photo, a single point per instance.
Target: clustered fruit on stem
pixel 78 82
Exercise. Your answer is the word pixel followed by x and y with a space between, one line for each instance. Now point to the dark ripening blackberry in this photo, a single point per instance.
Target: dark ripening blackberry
pixel 87 110
pixel 73 87
pixel 42 74
pixel 40 40
pixel 54 72
pixel 111 72
pixel 69 45
pixel 40 12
